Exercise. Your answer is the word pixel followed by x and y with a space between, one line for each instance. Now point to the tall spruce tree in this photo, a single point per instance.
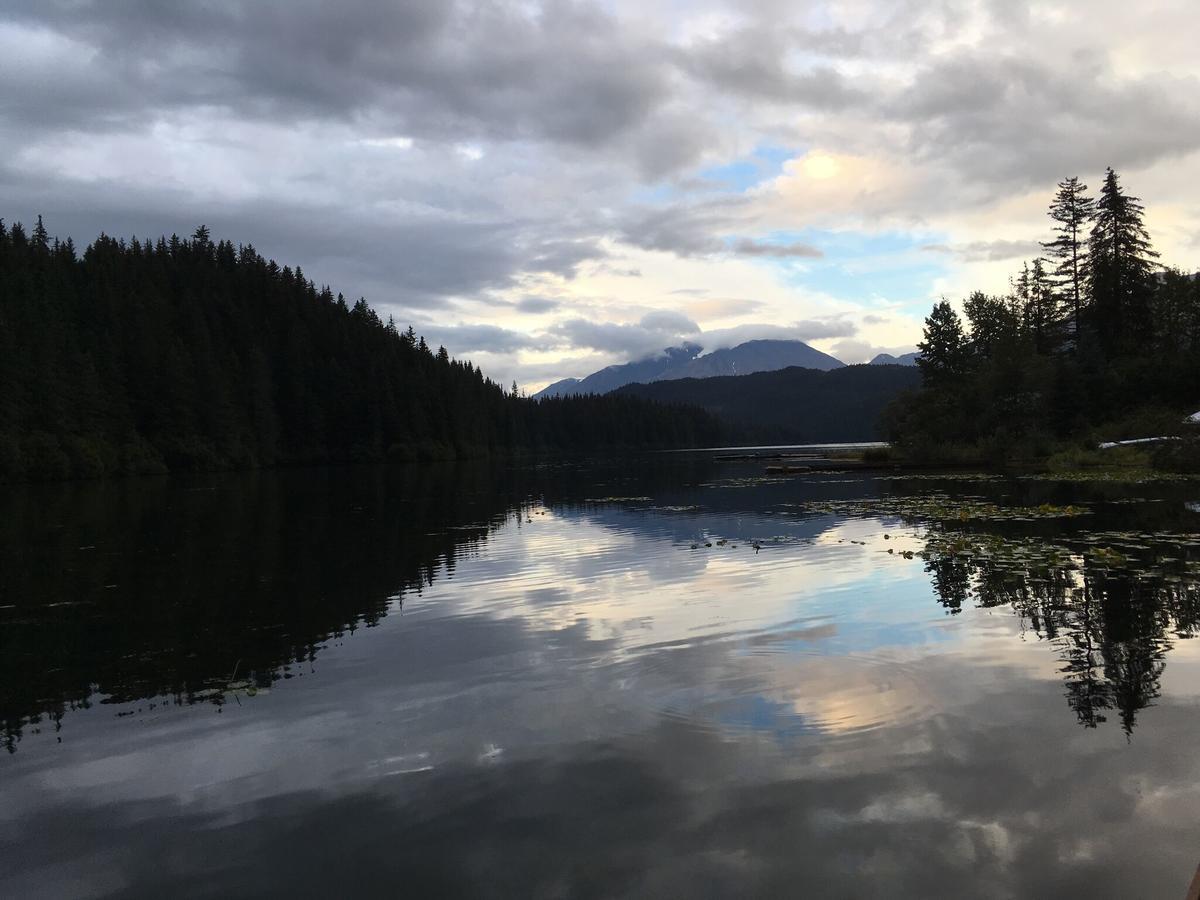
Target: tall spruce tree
pixel 1072 211
pixel 1121 266
pixel 1043 308
pixel 944 347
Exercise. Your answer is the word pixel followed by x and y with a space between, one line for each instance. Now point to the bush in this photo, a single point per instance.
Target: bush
pixel 1178 456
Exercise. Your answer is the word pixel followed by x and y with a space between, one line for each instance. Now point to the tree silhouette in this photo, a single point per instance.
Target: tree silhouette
pixel 1072 211
pixel 944 347
pixel 188 354
pixel 1040 372
pixel 1120 266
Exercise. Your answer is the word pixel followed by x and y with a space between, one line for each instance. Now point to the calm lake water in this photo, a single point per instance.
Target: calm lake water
pixel 544 682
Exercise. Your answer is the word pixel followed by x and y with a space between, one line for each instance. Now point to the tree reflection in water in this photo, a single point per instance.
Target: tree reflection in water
pixel 1111 617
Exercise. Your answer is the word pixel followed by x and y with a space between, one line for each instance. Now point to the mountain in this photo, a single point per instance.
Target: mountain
pixel 792 405
pixel 609 379
pixel 905 359
pixel 565 388
pixel 754 356
pixel 686 362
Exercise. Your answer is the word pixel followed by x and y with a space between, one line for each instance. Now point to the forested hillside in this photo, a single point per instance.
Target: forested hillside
pixel 139 356
pixel 1095 341
pixel 801 405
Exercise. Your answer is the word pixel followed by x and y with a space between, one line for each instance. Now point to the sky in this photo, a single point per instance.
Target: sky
pixel 547 188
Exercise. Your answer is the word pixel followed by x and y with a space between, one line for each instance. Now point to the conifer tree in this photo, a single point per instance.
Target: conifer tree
pixel 1072 210
pixel 39 240
pixel 944 347
pixel 1121 265
pixel 993 323
pixel 1043 314
pixel 184 354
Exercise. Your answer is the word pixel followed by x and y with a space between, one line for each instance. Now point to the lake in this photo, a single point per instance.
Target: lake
pixel 651 677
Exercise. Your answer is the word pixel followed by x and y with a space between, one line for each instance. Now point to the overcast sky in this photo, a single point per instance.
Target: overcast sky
pixel 550 187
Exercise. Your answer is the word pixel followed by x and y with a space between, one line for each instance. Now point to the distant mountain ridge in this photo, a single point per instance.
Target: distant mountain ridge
pixel 904 359
pixel 686 362
pixel 793 404
pixel 612 377
pixel 755 356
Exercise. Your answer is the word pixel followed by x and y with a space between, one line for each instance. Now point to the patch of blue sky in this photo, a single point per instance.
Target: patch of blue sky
pixel 764 163
pixel 894 611
pixel 861 267
pixel 765 714
pixel 855 638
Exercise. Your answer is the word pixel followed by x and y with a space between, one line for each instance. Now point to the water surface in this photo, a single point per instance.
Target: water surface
pixel 653 677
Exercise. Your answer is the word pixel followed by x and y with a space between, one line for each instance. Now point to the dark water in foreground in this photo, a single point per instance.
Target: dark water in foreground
pixel 527 683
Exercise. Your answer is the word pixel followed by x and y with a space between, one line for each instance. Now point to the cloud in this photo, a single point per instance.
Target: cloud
pixel 460 340
pixel 685 229
pixel 795 250
pixel 806 331
pixel 852 351
pixel 522 159
pixel 755 63
pixel 722 307
pixel 653 332
pixel 537 305
pixel 1010 119
pixel 561 72
pixel 989 251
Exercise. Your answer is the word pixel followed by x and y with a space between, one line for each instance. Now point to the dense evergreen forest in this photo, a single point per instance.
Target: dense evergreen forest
pixel 140 357
pixel 794 404
pixel 1094 341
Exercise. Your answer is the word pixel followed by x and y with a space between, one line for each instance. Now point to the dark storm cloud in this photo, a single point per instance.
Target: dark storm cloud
pixel 564 73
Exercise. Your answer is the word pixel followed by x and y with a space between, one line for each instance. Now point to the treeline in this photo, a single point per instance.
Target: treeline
pixel 139 357
pixel 1095 339
pixel 791 405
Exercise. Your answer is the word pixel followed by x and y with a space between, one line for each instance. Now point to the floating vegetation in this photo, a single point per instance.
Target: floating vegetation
pixel 942 476
pixel 748 481
pixel 1107 557
pixel 941 508
pixel 1142 556
pixel 1110 476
